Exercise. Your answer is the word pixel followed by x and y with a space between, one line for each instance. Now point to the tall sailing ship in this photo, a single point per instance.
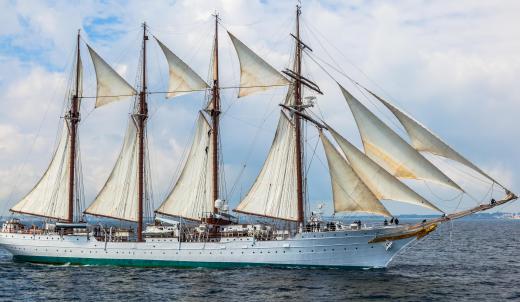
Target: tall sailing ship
pixel 193 226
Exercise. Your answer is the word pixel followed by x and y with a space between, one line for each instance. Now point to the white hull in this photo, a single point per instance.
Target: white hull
pixel 329 249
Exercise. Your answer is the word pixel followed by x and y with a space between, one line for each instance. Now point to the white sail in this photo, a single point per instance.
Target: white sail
pixel 349 192
pixel 378 180
pixel 80 78
pixel 182 79
pixel 389 150
pixel 191 196
pixel 274 192
pixel 111 86
pixel 118 197
pixel 255 74
pixel 425 140
pixel 49 198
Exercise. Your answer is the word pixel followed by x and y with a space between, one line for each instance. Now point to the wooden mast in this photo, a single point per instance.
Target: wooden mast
pixel 297 120
pixel 141 124
pixel 73 125
pixel 215 114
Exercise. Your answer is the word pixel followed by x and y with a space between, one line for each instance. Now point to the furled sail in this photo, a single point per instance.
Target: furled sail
pixel 349 192
pixel 389 150
pixel 191 196
pixel 255 74
pixel 274 192
pixel 182 79
pixel 378 180
pixel 118 197
pixel 80 77
pixel 424 140
pixel 49 198
pixel 111 86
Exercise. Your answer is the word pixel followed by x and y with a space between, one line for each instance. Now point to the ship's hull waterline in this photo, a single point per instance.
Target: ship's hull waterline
pixel 340 249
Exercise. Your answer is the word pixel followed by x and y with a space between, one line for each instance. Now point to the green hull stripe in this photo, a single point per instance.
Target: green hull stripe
pixel 159 263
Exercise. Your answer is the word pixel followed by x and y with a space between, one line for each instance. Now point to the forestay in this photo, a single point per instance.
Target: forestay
pixel 111 86
pixel 389 150
pixel 349 193
pixel 274 192
pixel 378 180
pixel 182 79
pixel 118 197
pixel 191 196
pixel 49 198
pixel 255 74
pixel 423 139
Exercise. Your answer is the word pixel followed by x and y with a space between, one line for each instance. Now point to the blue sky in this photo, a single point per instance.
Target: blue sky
pixel 452 65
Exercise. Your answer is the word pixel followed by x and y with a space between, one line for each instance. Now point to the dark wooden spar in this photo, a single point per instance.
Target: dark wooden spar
pixel 298 121
pixel 141 117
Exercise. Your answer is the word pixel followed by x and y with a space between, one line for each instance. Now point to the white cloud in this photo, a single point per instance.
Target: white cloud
pixel 452 64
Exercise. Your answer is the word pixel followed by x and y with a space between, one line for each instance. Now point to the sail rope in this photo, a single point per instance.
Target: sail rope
pixel 318 34
pixel 267 113
pixel 337 67
pixel 362 90
pixel 40 127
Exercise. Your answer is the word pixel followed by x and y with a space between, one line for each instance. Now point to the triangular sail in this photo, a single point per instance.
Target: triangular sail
pixel 423 139
pixel 274 192
pixel 255 74
pixel 182 79
pixel 349 192
pixel 111 86
pixel 49 198
pixel 191 197
pixel 378 180
pixel 118 197
pixel 389 150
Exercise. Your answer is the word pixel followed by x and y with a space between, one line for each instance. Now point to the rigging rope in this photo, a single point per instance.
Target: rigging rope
pixel 38 132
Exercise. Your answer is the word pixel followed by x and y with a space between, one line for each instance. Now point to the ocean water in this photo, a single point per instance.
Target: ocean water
pixel 471 260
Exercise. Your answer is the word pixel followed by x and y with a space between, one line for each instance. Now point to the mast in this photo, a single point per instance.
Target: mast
pixel 215 114
pixel 141 124
pixel 297 119
pixel 73 124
